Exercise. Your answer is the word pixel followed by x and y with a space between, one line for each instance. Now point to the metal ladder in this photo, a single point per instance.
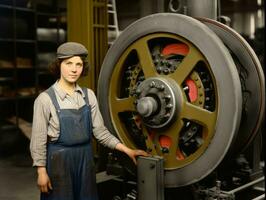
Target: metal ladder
pixel 113 29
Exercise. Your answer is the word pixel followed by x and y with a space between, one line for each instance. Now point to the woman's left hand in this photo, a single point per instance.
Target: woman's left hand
pixel 132 153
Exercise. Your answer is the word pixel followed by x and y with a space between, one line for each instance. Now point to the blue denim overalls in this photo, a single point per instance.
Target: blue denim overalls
pixel 70 164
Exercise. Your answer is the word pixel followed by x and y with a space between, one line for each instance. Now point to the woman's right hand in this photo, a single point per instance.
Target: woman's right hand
pixel 43 180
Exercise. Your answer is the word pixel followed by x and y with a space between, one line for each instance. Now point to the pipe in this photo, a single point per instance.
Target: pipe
pixel 202 8
pixel 261 197
pixel 245 186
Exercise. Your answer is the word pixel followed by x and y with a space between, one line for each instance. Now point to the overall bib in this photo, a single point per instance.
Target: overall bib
pixel 70 164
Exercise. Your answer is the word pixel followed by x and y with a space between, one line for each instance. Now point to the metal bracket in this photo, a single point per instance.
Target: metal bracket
pixel 150 178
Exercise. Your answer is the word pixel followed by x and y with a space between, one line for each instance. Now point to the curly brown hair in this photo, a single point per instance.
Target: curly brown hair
pixel 54 67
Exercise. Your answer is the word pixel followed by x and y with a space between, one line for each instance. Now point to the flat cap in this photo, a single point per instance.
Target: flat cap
pixel 69 49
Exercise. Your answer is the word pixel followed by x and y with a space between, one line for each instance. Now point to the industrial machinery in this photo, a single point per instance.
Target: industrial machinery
pixel 190 90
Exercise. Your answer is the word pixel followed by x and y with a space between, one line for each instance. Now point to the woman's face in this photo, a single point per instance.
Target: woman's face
pixel 71 69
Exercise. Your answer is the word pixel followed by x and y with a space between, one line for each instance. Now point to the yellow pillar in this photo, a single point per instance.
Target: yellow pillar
pixel 87 23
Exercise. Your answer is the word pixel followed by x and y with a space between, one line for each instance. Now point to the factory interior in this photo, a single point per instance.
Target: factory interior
pixel 183 80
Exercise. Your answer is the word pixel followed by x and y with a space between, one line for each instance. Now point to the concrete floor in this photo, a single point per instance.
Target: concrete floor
pixel 17 178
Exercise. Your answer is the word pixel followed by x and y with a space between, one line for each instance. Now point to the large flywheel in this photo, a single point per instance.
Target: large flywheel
pixel 170 86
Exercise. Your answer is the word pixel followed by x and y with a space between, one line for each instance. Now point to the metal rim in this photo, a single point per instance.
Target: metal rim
pixel 252 81
pixel 228 114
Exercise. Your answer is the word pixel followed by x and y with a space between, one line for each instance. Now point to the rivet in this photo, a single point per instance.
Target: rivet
pixel 152 84
pixel 169 106
pixel 166 71
pixel 167 97
pixel 161 87
pixel 185 88
pixel 165 150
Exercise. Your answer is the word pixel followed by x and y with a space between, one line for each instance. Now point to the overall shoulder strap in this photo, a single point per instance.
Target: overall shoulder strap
pixel 50 91
pixel 85 91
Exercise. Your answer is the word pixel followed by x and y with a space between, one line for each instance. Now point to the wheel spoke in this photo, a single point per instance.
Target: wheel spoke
pixel 122 105
pixel 149 141
pixel 173 133
pixel 199 115
pixel 145 59
pixel 187 65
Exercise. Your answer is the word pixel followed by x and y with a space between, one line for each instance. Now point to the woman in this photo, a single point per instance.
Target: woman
pixel 65 117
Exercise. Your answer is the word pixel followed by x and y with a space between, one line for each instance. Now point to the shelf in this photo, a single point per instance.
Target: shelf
pixel 11 68
pixel 7 127
pixel 25 40
pixel 6 40
pixel 26 97
pixel 16 8
pixel 30 10
pixel 30 34
pixel 24 67
pixel 3 98
pixel 47 14
pixel 51 22
pixel 21 67
pixel 43 72
pixel 6 79
pixel 17 40
pixel 6 6
pixel 24 125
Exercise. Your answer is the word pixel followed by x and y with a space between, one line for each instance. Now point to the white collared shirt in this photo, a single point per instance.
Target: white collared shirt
pixel 46 124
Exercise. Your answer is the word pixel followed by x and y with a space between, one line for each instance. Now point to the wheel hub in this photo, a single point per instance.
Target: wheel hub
pixel 157 102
